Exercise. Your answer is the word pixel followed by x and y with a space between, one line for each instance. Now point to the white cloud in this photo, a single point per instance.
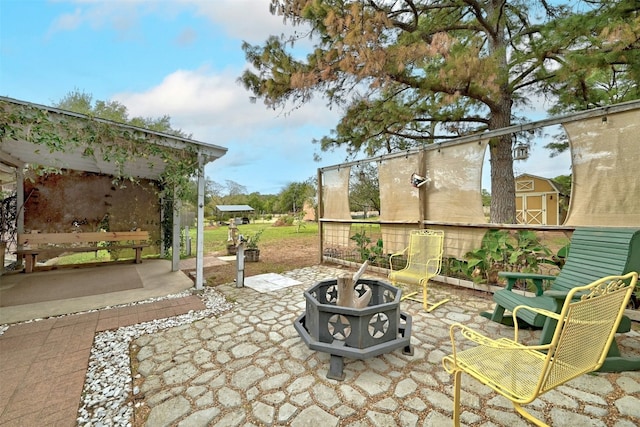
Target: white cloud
pixel 67 22
pixel 122 16
pixel 183 92
pixel 248 20
pixel 212 105
pixel 266 150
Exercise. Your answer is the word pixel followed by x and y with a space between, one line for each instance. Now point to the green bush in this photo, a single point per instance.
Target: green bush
pixel 367 251
pixel 254 239
pixel 285 220
pixel 500 251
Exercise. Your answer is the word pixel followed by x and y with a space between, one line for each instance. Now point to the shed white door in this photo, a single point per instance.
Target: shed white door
pixel 533 209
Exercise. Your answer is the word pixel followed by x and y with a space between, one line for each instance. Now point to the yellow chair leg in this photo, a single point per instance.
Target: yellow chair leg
pixel 434 306
pixel 408 296
pixel 456 398
pixel 526 415
pixel 425 304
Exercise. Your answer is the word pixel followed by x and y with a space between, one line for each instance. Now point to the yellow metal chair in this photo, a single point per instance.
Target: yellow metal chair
pixel 586 328
pixel 424 259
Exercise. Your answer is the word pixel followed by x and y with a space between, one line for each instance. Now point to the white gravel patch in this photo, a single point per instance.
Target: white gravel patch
pixel 106 396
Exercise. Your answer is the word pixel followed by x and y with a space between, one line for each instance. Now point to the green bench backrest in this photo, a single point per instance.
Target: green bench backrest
pixel 599 252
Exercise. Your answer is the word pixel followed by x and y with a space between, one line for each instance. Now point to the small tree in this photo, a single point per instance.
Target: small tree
pixel 82 102
pixel 364 189
pixel 294 195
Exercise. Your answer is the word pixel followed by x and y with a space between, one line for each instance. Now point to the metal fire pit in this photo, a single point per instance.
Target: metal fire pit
pixel 358 333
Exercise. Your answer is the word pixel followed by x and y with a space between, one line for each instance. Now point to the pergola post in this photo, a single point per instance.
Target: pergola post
pixel 175 239
pixel 200 226
pixel 20 199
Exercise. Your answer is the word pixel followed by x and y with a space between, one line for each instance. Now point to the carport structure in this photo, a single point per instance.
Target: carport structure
pixel 234 209
pixel 61 143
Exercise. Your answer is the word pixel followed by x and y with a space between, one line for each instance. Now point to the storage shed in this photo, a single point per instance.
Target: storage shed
pixel 539 201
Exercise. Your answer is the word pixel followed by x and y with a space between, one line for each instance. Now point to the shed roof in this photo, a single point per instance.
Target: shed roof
pixel 18 152
pixel 234 208
pixel 553 183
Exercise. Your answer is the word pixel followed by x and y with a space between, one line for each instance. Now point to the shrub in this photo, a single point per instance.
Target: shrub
pixel 501 252
pixel 284 221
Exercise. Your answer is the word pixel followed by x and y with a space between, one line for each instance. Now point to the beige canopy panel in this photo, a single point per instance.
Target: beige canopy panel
pixel 399 200
pixel 335 190
pixel 454 193
pixel 605 154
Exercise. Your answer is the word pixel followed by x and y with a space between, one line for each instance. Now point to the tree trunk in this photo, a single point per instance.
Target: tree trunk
pixel 503 186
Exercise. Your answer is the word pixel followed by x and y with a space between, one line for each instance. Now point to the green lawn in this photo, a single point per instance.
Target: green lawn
pixel 86 257
pixel 215 239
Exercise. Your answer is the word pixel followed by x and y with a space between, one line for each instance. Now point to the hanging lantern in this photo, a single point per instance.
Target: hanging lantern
pixel 521 151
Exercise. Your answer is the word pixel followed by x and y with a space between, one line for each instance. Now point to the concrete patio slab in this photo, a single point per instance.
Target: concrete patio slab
pixel 155 275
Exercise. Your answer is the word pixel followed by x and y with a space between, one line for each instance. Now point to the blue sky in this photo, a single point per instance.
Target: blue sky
pixel 181 58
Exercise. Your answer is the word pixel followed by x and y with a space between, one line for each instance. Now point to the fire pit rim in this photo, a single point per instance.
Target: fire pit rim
pixel 373 308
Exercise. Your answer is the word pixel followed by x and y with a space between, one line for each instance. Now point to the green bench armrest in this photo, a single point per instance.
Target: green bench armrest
pixel 562 295
pixel 537 279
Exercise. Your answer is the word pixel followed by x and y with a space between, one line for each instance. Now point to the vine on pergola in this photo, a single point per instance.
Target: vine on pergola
pixel 98 139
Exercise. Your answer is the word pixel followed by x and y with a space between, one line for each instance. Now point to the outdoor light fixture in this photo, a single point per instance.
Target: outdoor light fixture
pixel 418 181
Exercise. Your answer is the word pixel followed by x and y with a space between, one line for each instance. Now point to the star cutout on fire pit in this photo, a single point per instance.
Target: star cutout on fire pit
pixel 339 327
pixel 388 296
pixel 361 289
pixel 378 325
pixel 332 293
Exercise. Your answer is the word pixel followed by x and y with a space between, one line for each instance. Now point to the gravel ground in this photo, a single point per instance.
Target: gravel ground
pixel 107 389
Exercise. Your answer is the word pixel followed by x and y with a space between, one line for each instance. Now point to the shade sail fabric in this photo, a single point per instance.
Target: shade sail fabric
pixel 605 155
pixel 399 200
pixel 454 191
pixel 335 199
pixel 454 194
pixel 458 241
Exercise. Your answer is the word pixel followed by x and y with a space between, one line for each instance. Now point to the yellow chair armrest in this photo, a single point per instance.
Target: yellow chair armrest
pixel 473 336
pixel 536 310
pixel 450 361
pixel 476 337
pixel 542 311
pixel 402 252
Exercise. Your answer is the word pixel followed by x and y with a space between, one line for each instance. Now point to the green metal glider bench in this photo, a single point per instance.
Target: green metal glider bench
pixel 594 253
